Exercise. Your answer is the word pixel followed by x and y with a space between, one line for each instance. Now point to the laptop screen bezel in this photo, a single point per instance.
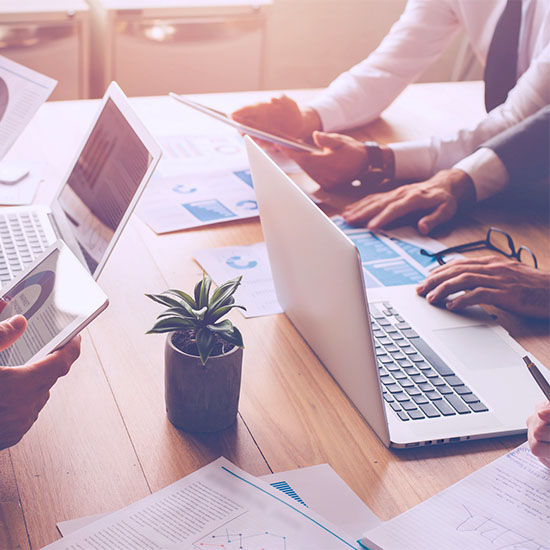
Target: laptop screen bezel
pixel 119 99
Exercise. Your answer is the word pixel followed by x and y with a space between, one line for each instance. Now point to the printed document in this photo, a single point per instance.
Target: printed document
pixel 217 507
pixel 22 91
pixel 257 292
pixel 392 258
pixel 505 505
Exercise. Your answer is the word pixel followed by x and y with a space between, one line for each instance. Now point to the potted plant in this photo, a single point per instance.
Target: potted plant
pixel 203 356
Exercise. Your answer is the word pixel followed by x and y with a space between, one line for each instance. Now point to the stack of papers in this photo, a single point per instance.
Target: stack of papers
pixel 222 507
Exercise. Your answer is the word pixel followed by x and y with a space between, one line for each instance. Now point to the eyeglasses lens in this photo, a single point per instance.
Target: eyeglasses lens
pixel 501 241
pixel 525 256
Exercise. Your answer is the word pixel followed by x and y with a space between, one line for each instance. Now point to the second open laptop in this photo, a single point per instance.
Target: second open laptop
pixel 96 198
pixel 419 375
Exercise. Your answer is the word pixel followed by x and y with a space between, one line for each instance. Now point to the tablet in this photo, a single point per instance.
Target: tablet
pixel 254 132
pixel 58 297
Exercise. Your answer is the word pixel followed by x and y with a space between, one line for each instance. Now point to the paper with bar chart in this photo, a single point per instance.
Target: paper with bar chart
pixel 392 258
pixel 201 180
pixel 218 507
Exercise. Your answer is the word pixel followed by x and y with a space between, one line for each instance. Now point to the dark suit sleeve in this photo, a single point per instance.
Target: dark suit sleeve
pixel 525 148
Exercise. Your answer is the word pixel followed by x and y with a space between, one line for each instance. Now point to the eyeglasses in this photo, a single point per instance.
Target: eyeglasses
pixel 497 240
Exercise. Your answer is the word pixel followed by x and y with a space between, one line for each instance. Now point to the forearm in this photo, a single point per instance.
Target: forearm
pixel 360 94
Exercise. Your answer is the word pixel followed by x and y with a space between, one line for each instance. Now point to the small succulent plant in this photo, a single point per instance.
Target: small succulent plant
pixel 197 319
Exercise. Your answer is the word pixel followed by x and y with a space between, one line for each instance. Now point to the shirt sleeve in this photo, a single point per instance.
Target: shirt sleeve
pixel 487 171
pixel 419 160
pixel 359 95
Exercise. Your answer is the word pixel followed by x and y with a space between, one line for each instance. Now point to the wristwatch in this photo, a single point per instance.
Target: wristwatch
pixel 377 169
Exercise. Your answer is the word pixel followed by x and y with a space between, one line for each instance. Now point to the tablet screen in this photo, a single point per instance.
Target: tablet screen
pixel 55 297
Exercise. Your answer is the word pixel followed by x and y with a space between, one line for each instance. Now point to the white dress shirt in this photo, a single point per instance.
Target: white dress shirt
pixel 424 30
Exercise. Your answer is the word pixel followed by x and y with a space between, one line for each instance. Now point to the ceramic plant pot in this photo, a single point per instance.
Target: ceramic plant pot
pixel 201 398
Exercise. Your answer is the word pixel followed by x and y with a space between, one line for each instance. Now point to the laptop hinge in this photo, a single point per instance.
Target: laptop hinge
pixel 53 222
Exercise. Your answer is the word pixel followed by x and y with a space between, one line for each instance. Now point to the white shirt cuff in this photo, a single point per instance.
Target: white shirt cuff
pixel 413 160
pixel 487 172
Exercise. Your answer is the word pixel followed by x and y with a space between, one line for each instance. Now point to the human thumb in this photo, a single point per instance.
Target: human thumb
pixel 327 141
pixel 11 329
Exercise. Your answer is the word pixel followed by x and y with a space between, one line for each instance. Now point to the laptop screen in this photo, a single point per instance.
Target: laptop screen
pixel 103 182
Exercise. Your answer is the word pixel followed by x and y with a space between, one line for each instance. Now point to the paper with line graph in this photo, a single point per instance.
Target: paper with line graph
pixel 503 506
pixel 218 507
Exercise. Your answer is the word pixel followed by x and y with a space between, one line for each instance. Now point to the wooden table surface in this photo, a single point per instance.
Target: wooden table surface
pixel 103 440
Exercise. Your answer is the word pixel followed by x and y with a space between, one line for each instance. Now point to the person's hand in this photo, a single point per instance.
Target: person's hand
pixel 493 280
pixel 25 390
pixel 340 161
pixel 280 116
pixel 434 201
pixel 538 432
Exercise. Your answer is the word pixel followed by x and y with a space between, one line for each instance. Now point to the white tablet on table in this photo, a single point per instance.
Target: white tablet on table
pixel 57 296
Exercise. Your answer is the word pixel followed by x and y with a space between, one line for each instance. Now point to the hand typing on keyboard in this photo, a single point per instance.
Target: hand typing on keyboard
pixel 25 390
pixel 492 280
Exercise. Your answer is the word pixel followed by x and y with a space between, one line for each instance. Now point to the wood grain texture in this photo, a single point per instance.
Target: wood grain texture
pixel 104 441
pixel 13 533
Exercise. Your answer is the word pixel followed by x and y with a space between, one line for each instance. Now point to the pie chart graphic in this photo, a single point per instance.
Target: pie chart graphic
pixel 45 280
pixel 4 97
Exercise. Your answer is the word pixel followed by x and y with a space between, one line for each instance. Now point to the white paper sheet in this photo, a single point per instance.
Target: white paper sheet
pixel 505 505
pixel 23 191
pixel 256 292
pixel 22 91
pixel 187 153
pixel 218 507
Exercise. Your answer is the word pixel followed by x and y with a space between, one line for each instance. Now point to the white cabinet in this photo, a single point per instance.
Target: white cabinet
pixel 50 37
pixel 152 48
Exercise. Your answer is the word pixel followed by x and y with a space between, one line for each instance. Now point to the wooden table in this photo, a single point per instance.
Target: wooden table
pixel 103 440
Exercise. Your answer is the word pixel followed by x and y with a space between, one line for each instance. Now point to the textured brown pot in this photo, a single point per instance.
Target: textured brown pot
pixel 201 398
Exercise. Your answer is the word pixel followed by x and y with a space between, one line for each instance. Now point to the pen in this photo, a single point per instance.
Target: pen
pixel 539 378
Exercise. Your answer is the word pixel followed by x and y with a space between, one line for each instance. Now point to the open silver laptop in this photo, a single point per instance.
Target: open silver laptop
pixel 420 375
pixel 96 198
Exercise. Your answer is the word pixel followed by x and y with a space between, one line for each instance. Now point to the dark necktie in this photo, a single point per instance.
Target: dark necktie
pixel 502 58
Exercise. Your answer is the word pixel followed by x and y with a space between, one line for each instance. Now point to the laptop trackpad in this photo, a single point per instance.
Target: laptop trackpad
pixel 479 347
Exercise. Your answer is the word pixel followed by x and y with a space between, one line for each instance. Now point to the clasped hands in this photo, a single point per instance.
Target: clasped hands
pixel 493 280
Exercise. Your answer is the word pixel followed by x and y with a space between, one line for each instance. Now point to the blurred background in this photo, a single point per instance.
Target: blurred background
pixel 151 47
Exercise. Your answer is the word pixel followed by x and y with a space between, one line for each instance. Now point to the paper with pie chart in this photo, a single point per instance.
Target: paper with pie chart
pixel 22 91
pixel 257 292
pixel 202 180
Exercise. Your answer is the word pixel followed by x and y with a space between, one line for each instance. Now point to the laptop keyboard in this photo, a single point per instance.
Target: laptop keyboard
pixel 22 239
pixel 416 383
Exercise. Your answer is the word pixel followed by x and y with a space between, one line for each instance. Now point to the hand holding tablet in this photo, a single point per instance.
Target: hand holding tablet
pixel 254 132
pixel 57 296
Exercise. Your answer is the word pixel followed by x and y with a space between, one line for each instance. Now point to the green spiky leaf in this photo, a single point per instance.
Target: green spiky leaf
pixel 224 292
pixel 171 324
pixel 183 296
pixel 205 344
